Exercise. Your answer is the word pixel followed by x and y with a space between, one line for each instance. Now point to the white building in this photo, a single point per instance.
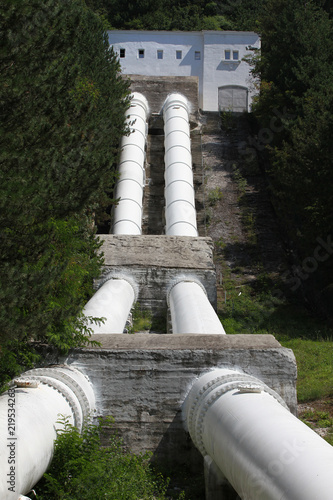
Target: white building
pixel 215 57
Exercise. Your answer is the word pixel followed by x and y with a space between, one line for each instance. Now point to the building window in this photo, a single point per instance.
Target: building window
pixel 141 53
pixel 227 55
pixel 122 53
pixel 235 55
pixel 179 54
pixel 160 54
pixel 197 55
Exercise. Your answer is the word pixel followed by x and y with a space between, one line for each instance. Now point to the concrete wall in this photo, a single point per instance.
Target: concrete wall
pixel 211 69
pixel 155 262
pixel 157 88
pixel 142 380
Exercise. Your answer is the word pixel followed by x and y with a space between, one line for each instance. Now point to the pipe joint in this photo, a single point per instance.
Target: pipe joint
pixel 183 279
pixel 208 389
pixel 69 382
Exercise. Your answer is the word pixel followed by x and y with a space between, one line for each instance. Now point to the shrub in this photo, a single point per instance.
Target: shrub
pixel 82 469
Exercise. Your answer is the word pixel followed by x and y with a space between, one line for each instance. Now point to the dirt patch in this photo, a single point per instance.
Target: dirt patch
pixel 318 415
pixel 239 215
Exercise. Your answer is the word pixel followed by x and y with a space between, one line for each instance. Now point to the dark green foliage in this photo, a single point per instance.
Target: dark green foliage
pixel 15 358
pixel 62 107
pixel 296 69
pixel 186 15
pixel 82 469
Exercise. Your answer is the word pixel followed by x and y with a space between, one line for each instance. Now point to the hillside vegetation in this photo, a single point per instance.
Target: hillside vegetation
pixel 62 108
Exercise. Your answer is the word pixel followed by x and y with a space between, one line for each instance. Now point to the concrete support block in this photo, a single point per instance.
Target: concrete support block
pixel 155 262
pixel 142 381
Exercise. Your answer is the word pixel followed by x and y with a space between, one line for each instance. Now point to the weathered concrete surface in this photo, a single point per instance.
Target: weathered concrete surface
pixel 158 250
pixel 157 88
pixel 142 380
pixel 156 261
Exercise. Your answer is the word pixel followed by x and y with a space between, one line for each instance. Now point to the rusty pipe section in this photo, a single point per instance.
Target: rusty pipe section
pixel 264 451
pixel 127 214
pixel 180 213
pixel 29 419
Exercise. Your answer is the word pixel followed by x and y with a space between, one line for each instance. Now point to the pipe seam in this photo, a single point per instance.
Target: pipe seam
pixel 128 179
pixel 177 146
pixel 178 117
pixel 178 163
pixel 183 200
pixel 179 180
pixel 132 145
pixel 128 220
pixel 182 222
pixel 128 199
pixel 132 161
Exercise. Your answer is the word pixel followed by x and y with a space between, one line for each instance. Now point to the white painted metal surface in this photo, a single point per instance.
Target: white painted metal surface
pixel 191 311
pixel 180 213
pixel 113 302
pixel 39 397
pixel 264 451
pixel 127 214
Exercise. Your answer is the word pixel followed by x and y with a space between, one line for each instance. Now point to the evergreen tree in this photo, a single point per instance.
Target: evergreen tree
pixel 295 105
pixel 62 107
pixel 185 15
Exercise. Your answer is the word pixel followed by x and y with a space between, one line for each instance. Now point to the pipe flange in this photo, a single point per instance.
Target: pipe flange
pixel 74 386
pixel 66 393
pixel 183 279
pixel 203 401
pixel 121 276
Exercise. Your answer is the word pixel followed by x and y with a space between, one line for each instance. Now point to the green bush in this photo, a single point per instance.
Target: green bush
pixel 82 469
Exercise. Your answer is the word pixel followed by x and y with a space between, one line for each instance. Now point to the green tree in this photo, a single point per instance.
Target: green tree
pixel 186 15
pixel 62 105
pixel 295 107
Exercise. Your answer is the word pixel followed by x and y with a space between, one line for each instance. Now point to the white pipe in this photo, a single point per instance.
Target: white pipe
pixel 127 214
pixel 29 419
pixel 113 302
pixel 180 213
pixel 263 450
pixel 191 311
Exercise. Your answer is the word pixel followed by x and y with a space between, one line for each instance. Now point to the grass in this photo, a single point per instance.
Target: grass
pixel 143 320
pixel 214 196
pixel 315 368
pixel 252 309
pixel 318 419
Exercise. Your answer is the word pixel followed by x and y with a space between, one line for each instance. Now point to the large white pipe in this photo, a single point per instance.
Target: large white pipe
pixel 127 214
pixel 263 450
pixel 180 213
pixel 113 302
pixel 29 419
pixel 191 311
